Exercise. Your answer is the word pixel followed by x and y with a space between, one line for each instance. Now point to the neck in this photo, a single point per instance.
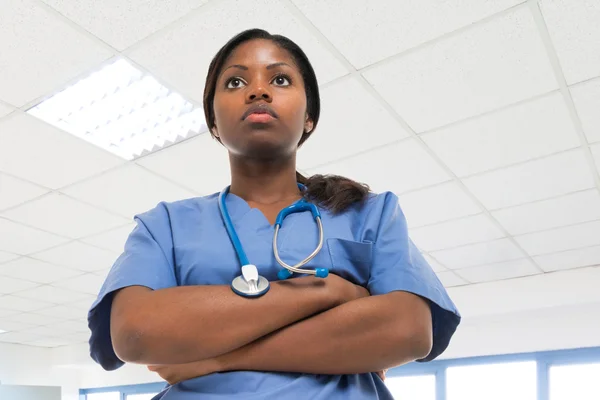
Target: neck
pixel 262 181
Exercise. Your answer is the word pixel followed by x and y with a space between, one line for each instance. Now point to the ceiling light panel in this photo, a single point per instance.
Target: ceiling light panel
pixel 123 110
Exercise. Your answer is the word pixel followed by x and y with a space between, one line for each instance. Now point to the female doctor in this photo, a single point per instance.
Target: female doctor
pixel 172 302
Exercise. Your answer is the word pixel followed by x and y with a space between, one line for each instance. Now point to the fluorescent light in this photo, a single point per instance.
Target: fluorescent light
pixel 123 110
pixel 1 331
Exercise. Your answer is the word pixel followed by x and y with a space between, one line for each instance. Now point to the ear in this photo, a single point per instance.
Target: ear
pixel 215 131
pixel 308 124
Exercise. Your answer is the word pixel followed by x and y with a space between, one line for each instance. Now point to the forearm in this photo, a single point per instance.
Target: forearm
pixel 190 323
pixel 365 335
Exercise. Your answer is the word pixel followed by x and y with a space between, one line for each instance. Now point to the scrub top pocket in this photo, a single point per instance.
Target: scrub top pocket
pixel 351 260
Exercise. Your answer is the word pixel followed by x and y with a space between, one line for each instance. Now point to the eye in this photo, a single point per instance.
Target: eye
pixel 234 83
pixel 282 80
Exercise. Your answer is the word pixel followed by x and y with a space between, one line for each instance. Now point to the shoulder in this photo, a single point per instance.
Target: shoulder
pixel 367 219
pixel 376 205
pixel 166 212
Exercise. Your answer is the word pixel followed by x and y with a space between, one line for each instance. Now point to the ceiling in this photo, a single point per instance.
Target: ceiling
pixel 481 115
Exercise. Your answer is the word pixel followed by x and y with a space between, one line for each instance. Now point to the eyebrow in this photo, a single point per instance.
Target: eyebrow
pixel 244 68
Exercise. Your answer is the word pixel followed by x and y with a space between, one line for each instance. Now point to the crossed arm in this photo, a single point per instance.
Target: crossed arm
pixel 303 325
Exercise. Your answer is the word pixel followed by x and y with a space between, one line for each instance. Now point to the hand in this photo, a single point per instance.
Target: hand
pixel 381 374
pixel 181 372
pixel 344 290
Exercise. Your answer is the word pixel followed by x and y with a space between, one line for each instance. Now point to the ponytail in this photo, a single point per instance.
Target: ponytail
pixel 333 192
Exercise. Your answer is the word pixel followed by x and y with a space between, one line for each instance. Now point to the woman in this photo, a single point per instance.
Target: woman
pixel 167 302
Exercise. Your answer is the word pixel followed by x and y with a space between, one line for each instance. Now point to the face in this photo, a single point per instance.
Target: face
pixel 260 102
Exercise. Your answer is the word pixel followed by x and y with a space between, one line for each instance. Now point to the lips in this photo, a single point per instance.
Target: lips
pixel 261 108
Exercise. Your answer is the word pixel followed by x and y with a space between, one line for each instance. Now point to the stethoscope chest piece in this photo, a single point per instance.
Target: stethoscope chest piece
pixel 241 287
pixel 250 284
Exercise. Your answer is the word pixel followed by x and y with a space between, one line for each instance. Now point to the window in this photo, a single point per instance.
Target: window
pixel 580 381
pixel 419 387
pixel 514 381
pixel 141 396
pixel 104 396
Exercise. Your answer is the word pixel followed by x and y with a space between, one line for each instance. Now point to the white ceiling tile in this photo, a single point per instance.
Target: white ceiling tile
pixel 18 337
pixel 569 259
pixel 51 294
pixel 11 285
pixel 574 29
pixel 9 302
pixel 519 133
pixel 450 279
pixel 434 264
pixel 79 337
pixel 63 311
pixel 46 331
pixel 596 153
pixel 113 240
pixel 8 313
pixel 352 121
pixel 5 110
pixel 398 167
pixel 459 232
pixel 437 204
pixel 88 283
pixel 547 214
pixel 62 215
pixel 49 342
pixel 128 190
pixel 10 326
pixel 123 24
pixel 479 254
pixel 200 164
pixel 368 32
pixel 5 257
pixel 586 97
pixel 70 327
pixel 36 271
pixel 42 154
pixel 567 238
pixel 181 55
pixel 486 67
pixel 79 256
pixel 535 180
pixel 32 319
pixel 40 52
pixel 499 271
pixel 14 191
pixel 20 239
pixel 83 305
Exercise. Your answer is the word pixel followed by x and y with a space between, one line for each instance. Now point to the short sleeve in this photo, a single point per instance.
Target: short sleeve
pixel 399 266
pixel 146 261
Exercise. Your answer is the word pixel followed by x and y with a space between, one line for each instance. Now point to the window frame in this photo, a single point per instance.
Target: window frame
pixel 544 360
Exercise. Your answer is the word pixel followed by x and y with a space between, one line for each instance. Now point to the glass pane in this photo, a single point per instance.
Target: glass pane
pixel 514 381
pixel 568 382
pixel 141 396
pixel 103 396
pixel 420 387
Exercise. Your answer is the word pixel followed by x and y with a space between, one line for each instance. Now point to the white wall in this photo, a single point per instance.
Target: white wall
pixel 25 365
pixel 552 311
pixel 10 392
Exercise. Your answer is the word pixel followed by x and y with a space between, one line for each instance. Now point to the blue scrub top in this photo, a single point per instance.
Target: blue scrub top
pixel 185 243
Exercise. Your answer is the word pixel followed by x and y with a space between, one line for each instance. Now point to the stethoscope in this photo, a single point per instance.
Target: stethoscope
pixel 250 283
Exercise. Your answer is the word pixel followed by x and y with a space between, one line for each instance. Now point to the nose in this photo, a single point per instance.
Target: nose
pixel 258 92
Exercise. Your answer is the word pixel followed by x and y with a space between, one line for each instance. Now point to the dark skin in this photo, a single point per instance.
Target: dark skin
pixel 372 333
pixel 262 155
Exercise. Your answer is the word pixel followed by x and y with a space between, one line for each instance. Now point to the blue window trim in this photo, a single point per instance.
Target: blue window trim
pixel 155 387
pixel 544 360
